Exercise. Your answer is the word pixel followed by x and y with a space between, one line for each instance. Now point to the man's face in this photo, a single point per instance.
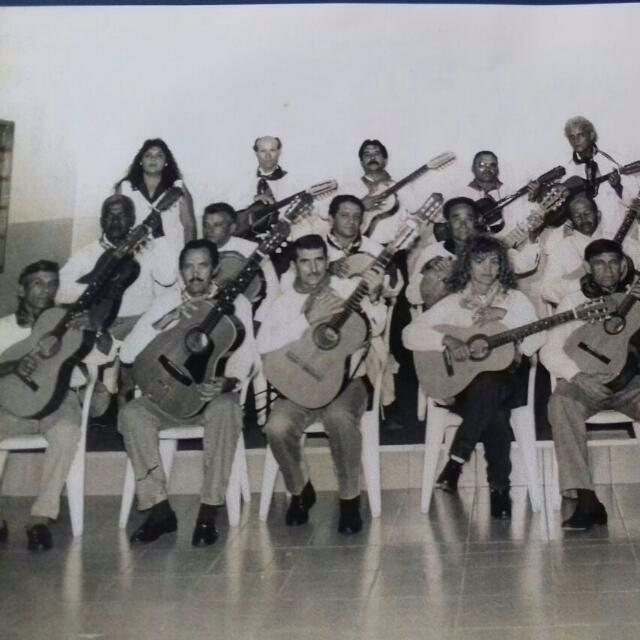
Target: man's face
pixel 584 216
pixel 372 159
pixel 218 227
pixel 485 168
pixel 116 223
pixel 485 269
pixel 462 222
pixel 153 161
pixel 606 269
pixel 580 138
pixel 311 265
pixel 347 221
pixel 267 153
pixel 197 271
pixel 40 290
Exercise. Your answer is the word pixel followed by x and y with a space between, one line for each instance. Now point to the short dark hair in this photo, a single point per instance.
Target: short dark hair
pixel 34 267
pixel 484 152
pixel 338 200
pixel 310 241
pixel 603 245
pixel 375 143
pixel 255 144
pixel 220 207
pixel 200 243
pixel 125 201
pixel 582 195
pixel 452 202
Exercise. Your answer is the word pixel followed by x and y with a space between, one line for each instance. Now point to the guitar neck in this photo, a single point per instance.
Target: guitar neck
pixel 515 335
pixel 623 230
pixel 404 181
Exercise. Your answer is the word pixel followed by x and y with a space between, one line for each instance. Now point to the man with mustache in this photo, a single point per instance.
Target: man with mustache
pixel 140 419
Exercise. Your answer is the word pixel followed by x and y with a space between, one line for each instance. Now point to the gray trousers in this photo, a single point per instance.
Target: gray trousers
pixel 61 429
pixel 568 409
pixel 341 421
pixel 139 423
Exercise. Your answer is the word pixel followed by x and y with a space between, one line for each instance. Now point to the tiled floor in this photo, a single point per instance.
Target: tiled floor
pixel 453 574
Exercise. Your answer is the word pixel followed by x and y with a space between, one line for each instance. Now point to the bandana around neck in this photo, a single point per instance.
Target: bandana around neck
pixel 472 300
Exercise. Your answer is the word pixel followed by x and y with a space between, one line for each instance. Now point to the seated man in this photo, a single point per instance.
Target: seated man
pixel 317 296
pixel 482 290
pixel 579 395
pixel 37 287
pixel 140 419
pixel 566 246
pixel 116 220
pixel 219 226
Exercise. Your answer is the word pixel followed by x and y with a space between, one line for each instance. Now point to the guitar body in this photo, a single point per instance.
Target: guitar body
pixel 372 217
pixel 168 372
pixel 42 393
pixel 231 264
pixel 441 376
pixel 597 349
pixel 309 373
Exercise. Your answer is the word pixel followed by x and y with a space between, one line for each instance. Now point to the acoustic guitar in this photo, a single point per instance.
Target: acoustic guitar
pixel 386 195
pixel 231 265
pixel 171 367
pixel 312 370
pixel 57 345
pixel 441 376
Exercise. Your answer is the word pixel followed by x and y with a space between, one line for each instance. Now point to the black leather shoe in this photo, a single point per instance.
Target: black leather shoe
pixel 582 520
pixel 204 534
pixel 39 538
pixel 152 528
pixel 448 479
pixel 350 518
pixel 4 532
pixel 500 504
pixel 298 511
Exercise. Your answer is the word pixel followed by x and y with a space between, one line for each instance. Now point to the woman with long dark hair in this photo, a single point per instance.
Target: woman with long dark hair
pixel 152 172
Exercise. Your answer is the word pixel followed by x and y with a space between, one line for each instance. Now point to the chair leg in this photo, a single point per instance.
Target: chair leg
pixel 269 476
pixel 3 459
pixel 371 460
pixel 422 405
pixel 245 483
pixel 556 497
pixel 128 492
pixel 261 397
pixel 524 432
pixel 234 489
pixel 75 488
pixel 432 445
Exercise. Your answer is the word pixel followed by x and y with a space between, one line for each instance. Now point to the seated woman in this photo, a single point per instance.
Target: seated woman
pixel 481 290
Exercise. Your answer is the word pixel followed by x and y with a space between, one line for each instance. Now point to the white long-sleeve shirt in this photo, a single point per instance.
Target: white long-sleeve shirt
pixel 155 269
pixel 421 334
pixel 240 361
pixel 287 322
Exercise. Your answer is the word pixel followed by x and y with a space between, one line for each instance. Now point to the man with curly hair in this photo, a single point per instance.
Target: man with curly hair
pixel 481 290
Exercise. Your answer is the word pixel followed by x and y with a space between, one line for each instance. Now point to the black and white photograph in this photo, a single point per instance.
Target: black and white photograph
pixel 320 321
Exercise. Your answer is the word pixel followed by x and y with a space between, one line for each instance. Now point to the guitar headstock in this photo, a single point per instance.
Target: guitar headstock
pixel 442 161
pixel 630 169
pixel 430 208
pixel 300 207
pixel 554 198
pixel 595 310
pixel 322 189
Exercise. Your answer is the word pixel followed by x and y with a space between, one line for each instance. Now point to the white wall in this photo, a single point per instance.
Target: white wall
pixel 87 85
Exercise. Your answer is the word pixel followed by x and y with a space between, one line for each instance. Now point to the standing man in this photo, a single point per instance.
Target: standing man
pixel 37 288
pixel 316 296
pixel 140 419
pixel 579 395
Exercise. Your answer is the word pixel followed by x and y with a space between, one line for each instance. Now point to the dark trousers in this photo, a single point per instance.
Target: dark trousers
pixel 485 410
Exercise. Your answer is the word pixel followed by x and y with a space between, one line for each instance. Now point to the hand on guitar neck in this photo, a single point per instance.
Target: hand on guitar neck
pixel 221 384
pixel 324 306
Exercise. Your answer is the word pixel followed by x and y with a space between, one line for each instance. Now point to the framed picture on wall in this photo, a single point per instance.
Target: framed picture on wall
pixel 6 156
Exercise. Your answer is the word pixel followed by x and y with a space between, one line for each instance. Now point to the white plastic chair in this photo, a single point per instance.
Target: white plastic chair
pixel 440 419
pixel 75 479
pixel 370 429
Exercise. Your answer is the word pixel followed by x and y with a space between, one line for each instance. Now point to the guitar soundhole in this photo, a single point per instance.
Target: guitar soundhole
pixel 326 337
pixel 478 347
pixel 48 346
pixel 614 325
pixel 197 341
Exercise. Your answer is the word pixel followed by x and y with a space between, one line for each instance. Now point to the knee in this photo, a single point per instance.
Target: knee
pixel 277 428
pixel 127 416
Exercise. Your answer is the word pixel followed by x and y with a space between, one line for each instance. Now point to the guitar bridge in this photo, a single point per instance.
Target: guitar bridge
pixel 304 366
pixel 592 352
pixel 174 372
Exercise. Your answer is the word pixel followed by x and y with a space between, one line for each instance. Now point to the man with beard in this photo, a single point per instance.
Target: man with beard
pixel 141 419
pixel 566 246
pixel 580 395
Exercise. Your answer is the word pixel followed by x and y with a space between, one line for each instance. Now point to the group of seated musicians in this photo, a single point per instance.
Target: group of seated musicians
pixel 468 277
